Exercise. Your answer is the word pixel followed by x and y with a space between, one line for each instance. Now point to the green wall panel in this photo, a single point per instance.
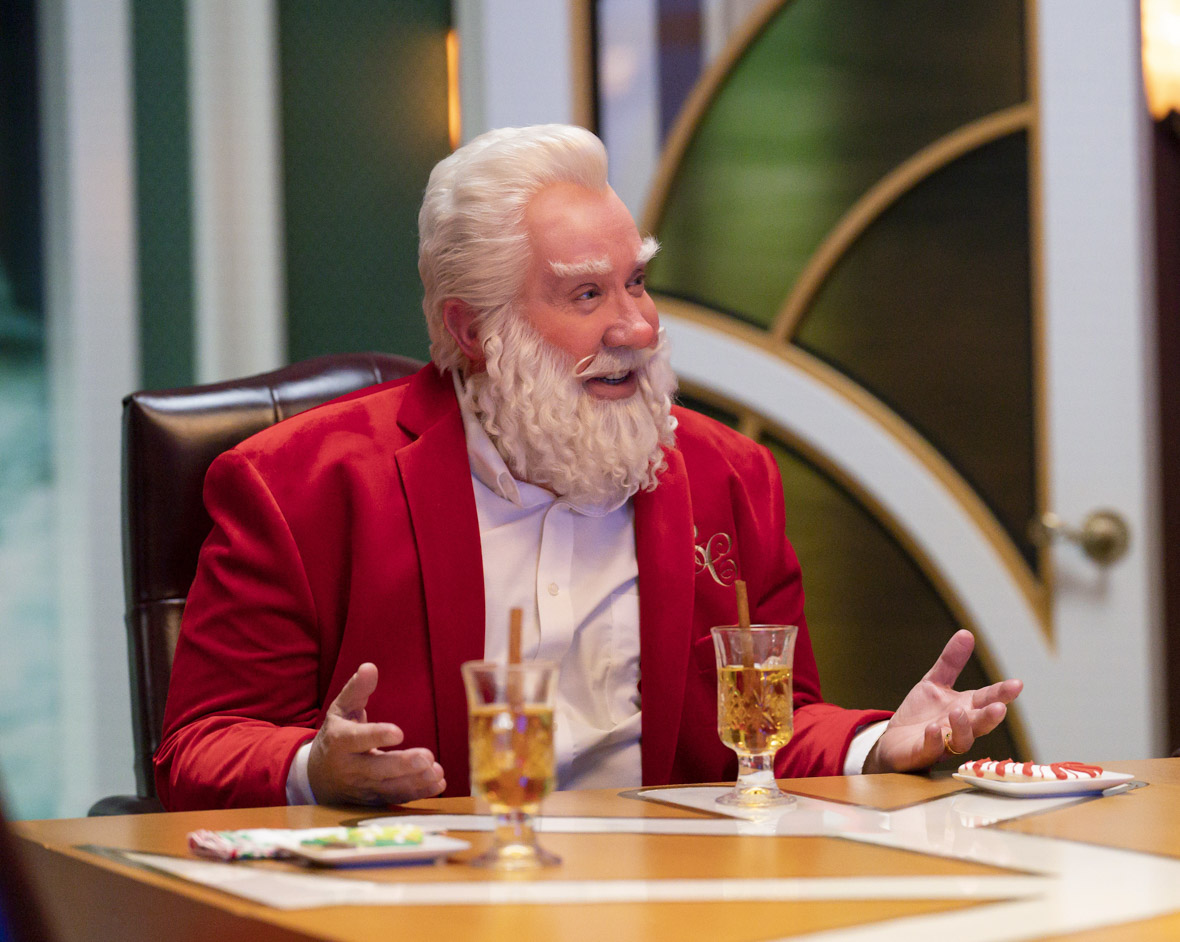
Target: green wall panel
pixel 364 120
pixel 163 193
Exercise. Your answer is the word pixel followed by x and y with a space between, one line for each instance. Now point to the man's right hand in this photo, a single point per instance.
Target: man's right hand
pixel 353 761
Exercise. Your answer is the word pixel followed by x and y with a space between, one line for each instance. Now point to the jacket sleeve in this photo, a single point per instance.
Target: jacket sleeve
pixel 244 693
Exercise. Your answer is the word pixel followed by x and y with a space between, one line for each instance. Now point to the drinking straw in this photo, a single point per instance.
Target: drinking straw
pixel 514 618
pixel 743 604
pixel 515 694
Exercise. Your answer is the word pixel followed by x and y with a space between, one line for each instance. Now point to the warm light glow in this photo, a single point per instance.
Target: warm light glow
pixel 1161 55
pixel 454 117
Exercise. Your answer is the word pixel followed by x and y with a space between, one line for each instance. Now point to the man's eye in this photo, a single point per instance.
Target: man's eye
pixel 586 294
pixel 638 280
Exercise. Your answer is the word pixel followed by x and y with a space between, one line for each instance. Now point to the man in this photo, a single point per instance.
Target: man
pixel 363 550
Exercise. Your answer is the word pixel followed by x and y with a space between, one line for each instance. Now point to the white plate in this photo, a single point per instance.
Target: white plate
pixel 433 847
pixel 1043 789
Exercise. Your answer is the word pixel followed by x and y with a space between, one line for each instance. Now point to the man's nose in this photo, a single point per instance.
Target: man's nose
pixel 633 326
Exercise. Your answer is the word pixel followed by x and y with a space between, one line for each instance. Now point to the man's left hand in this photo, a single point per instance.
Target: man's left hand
pixel 935 720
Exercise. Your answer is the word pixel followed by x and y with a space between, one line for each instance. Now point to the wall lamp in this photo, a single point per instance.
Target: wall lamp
pixel 1161 59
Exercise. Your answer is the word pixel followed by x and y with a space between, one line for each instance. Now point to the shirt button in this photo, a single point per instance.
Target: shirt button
pixel 553 590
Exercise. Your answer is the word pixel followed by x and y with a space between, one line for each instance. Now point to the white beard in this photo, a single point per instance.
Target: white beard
pixel 552 433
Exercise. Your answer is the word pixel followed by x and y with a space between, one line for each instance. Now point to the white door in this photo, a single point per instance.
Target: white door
pixel 1100 385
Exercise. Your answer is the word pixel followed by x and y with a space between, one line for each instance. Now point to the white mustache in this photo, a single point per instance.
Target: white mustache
pixel 613 362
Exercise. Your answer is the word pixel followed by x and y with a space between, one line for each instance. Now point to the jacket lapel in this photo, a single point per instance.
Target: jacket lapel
pixel 437 482
pixel 664 549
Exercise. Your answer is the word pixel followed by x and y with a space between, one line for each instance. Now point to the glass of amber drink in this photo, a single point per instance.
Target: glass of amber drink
pixel 754 707
pixel 510 734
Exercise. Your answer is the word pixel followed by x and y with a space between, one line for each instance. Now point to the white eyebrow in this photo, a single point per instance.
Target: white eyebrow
pixel 585 266
pixel 647 251
pixel 602 265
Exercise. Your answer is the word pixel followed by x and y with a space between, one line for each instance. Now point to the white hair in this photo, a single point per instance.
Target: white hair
pixel 472 241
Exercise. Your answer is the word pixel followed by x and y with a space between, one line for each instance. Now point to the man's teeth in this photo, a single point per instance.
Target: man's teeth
pixel 615 379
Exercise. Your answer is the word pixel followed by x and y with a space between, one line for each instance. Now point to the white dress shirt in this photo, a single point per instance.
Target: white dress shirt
pixel 572 571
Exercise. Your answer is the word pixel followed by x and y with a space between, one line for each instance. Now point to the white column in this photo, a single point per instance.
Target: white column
pixel 237 189
pixel 629 90
pixel 514 63
pixel 93 359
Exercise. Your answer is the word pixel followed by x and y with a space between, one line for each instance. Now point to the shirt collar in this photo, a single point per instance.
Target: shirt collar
pixel 489 468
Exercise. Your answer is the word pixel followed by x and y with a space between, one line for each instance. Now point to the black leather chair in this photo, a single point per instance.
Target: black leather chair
pixel 170 437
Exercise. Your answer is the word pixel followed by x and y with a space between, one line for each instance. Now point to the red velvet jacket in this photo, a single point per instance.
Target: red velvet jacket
pixel 348 534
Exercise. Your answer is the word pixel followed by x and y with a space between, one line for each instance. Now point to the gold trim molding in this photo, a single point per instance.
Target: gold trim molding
pixel 583 68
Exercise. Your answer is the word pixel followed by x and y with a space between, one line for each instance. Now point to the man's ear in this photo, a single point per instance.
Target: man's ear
pixel 459 319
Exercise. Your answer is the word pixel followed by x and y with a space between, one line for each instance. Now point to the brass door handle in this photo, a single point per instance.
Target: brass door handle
pixel 1103 536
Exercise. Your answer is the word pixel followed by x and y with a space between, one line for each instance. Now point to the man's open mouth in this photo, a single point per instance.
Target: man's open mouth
pixel 614 379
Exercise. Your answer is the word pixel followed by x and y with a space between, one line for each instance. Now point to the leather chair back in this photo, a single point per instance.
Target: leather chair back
pixel 170 438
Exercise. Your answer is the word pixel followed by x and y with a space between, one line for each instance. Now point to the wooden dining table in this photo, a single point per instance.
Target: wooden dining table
pixel 859 857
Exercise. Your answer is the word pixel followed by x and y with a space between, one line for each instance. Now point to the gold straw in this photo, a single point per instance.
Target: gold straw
pixel 515 692
pixel 743 600
pixel 751 679
pixel 514 618
pixel 743 604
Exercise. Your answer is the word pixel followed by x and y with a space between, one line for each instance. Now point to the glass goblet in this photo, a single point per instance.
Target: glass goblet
pixel 754 707
pixel 510 734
